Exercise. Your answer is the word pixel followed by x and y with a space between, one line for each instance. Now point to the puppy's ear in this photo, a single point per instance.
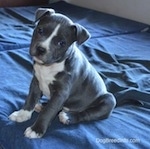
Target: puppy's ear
pixel 81 34
pixel 42 12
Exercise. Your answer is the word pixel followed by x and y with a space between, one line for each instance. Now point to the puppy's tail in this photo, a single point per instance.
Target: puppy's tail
pixel 129 102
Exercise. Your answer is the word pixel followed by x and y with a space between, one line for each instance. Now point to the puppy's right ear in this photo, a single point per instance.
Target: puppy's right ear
pixel 42 12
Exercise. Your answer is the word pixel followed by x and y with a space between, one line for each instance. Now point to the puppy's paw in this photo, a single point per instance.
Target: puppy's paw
pixel 29 133
pixel 38 108
pixel 20 116
pixel 64 118
pixel 68 117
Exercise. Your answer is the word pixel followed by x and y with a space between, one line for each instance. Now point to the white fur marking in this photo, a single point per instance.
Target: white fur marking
pixel 46 75
pixel 66 109
pixel 21 115
pixel 63 117
pixel 46 43
pixel 38 107
pixel 29 133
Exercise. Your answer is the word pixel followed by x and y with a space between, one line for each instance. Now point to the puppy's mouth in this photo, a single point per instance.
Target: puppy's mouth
pixel 37 60
pixel 40 62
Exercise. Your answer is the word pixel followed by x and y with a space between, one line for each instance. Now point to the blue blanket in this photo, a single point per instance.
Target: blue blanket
pixel 119 49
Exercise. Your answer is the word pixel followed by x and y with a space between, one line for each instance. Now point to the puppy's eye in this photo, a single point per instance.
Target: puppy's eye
pixel 40 30
pixel 61 43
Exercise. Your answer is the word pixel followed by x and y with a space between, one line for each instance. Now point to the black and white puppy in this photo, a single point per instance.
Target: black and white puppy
pixel 75 90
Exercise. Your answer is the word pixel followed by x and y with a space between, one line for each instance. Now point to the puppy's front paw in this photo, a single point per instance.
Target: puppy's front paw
pixel 29 133
pixel 20 116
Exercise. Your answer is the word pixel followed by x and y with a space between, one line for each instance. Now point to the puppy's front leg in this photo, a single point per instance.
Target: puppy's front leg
pixel 25 113
pixel 38 129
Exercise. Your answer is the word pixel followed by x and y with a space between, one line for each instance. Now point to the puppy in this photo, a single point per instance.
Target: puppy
pixel 75 90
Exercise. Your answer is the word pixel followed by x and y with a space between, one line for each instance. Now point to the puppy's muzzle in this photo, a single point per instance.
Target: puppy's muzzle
pixel 40 51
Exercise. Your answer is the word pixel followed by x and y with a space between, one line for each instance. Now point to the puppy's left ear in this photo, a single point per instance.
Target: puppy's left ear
pixel 42 12
pixel 81 34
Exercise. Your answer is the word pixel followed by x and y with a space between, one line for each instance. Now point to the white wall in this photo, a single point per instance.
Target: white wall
pixel 138 10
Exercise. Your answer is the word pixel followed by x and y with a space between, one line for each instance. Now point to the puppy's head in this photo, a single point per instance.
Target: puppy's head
pixel 53 36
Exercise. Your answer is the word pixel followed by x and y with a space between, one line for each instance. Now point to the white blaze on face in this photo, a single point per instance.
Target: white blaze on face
pixel 46 44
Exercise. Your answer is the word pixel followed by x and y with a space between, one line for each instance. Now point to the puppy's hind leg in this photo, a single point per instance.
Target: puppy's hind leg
pixel 99 110
pixel 39 107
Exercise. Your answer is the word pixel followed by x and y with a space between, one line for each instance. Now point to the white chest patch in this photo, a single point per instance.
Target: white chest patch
pixel 46 75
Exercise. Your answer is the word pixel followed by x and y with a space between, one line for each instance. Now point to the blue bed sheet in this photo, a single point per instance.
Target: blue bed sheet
pixel 119 49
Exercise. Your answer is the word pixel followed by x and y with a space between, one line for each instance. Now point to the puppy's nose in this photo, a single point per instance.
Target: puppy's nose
pixel 40 50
